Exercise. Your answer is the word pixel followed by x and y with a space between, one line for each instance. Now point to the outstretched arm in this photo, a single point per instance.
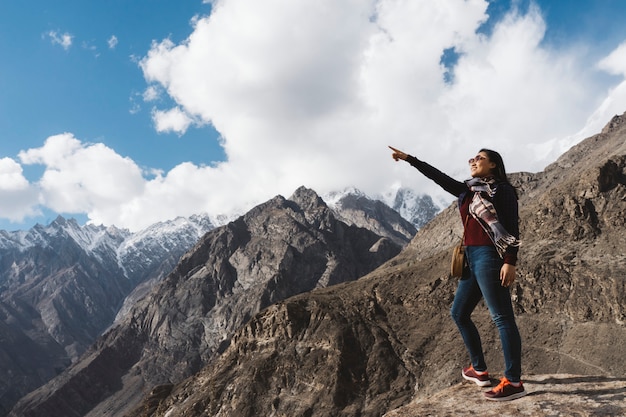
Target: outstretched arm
pixel 446 182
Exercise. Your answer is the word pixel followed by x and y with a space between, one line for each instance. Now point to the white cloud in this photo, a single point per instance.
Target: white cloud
pixel 615 63
pixel 63 39
pixel 613 103
pixel 93 179
pixel 151 93
pixel 173 120
pixel 83 178
pixel 312 92
pixel 11 176
pixel 112 42
pixel 18 199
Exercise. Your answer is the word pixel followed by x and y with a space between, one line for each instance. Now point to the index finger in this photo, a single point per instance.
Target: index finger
pixel 394 149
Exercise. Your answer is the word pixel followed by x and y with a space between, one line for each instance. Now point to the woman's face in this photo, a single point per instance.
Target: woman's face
pixel 480 165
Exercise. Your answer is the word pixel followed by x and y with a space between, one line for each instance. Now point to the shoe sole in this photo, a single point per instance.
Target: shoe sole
pixel 476 381
pixel 508 397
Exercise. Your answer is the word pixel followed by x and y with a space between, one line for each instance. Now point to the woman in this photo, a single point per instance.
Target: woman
pixel 489 211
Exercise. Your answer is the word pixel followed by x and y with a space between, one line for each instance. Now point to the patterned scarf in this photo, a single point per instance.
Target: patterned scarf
pixel 482 209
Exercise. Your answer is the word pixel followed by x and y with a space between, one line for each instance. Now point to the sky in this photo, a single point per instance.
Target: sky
pixel 127 113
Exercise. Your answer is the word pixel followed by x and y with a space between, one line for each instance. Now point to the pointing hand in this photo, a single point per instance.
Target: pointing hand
pixel 398 154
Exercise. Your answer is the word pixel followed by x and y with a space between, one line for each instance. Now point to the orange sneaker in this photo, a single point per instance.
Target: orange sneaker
pixel 505 391
pixel 479 378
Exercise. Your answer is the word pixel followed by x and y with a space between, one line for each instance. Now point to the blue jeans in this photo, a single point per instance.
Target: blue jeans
pixel 483 280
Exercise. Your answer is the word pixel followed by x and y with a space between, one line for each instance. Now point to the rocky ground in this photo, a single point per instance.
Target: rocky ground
pixel 548 395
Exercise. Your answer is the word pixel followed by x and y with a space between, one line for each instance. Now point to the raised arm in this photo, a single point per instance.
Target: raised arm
pixel 446 182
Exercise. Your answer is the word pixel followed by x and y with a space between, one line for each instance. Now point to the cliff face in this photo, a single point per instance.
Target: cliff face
pixel 278 249
pixel 369 346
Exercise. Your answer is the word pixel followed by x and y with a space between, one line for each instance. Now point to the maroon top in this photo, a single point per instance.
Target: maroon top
pixel 475 235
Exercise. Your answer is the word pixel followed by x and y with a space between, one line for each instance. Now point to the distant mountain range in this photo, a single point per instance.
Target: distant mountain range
pixel 418 209
pixel 63 284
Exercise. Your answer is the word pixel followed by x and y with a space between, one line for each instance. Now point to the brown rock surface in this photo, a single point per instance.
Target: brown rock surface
pixel 548 395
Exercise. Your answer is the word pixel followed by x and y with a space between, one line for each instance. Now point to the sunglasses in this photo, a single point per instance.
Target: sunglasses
pixel 476 159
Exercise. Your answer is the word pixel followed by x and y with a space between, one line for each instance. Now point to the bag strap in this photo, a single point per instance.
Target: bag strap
pixel 464 227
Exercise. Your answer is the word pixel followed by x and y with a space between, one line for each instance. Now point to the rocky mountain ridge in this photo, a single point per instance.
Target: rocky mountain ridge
pixel 354 206
pixel 71 309
pixel 280 248
pixel 61 285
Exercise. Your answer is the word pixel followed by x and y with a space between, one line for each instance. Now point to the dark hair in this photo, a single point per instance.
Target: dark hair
pixel 499 172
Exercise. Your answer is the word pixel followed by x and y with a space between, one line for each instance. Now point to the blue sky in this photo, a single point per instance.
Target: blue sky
pixel 90 88
pixel 131 112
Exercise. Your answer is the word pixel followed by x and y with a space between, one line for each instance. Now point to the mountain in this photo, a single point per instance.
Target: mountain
pixel 381 212
pixel 150 254
pixel 278 249
pixel 353 207
pixel 419 209
pixel 370 346
pixel 62 285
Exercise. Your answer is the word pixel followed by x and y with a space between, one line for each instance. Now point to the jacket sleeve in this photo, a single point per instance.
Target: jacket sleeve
pixel 449 184
pixel 505 203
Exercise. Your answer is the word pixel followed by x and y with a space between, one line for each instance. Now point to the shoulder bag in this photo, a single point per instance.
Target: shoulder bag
pixel 458 256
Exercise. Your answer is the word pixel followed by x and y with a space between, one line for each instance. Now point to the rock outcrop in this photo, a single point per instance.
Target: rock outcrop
pixel 548 395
